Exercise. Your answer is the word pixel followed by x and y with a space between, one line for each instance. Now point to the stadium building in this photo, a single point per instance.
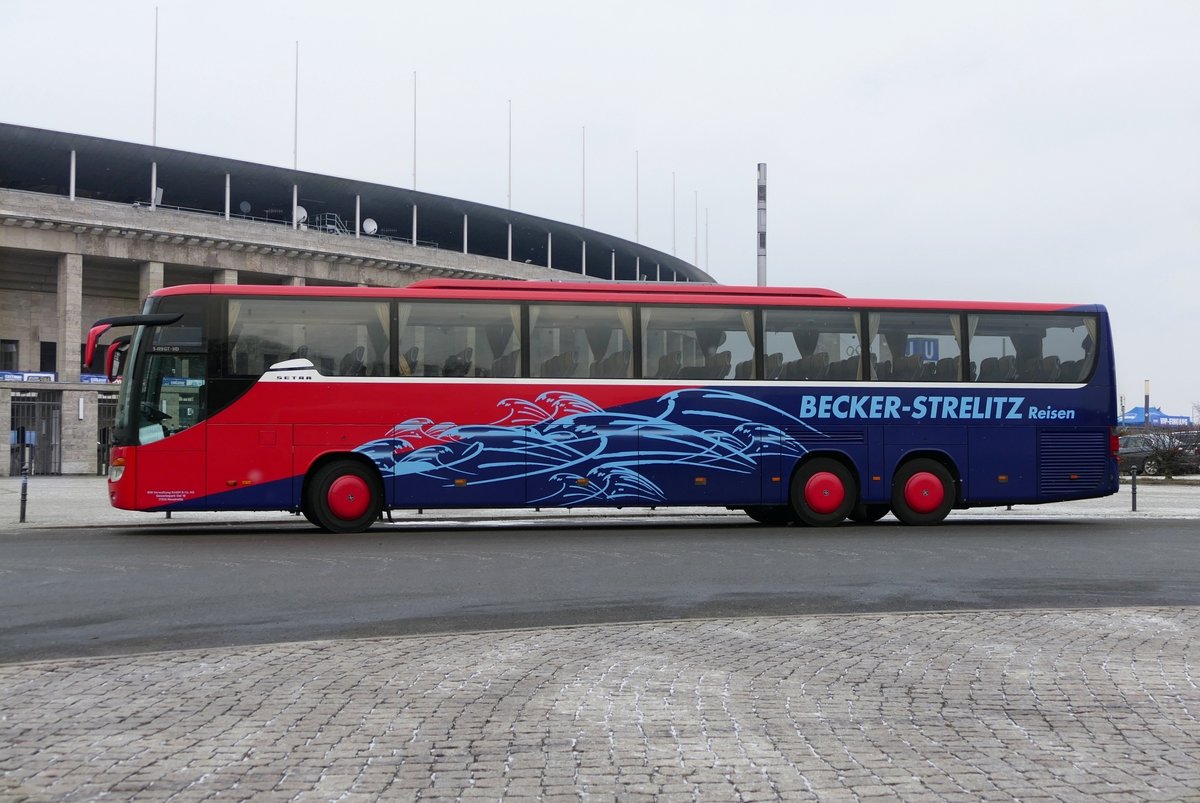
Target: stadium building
pixel 90 226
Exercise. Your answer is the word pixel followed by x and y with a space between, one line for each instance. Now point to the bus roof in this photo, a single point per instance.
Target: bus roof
pixel 631 292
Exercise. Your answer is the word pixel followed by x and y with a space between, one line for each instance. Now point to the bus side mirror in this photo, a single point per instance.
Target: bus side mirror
pixel 114 359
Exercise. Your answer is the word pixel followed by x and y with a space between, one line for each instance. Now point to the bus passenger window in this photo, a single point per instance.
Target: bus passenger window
pixel 698 343
pixel 340 337
pixel 812 345
pixel 1032 347
pixel 915 346
pixel 447 339
pixel 580 340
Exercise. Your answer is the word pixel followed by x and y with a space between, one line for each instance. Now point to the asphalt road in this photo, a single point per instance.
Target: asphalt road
pixel 110 591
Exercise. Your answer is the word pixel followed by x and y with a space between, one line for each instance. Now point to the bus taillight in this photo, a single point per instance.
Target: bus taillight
pixel 1114 442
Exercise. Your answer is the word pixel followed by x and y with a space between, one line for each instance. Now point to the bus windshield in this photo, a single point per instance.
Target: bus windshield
pixel 164 388
pixel 171 395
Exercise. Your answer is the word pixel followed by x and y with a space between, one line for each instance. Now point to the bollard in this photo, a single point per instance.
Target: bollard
pixel 1133 484
pixel 24 486
pixel 23 451
pixel 24 481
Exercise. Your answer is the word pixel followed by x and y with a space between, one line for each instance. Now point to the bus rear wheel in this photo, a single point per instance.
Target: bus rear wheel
pixel 922 492
pixel 823 492
pixel 864 513
pixel 344 497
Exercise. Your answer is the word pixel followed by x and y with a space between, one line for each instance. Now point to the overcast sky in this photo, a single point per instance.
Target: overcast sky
pixel 1027 151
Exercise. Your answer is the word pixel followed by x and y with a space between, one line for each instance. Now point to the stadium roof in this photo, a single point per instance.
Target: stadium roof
pixel 39 160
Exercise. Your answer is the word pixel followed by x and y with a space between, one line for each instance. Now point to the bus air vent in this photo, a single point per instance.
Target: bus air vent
pixel 1071 462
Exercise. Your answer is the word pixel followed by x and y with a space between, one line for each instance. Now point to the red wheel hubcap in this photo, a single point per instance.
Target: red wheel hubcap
pixel 349 497
pixel 924 492
pixel 824 492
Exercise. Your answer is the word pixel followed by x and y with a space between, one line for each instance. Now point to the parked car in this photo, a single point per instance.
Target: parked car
pixel 1190 443
pixel 1155 453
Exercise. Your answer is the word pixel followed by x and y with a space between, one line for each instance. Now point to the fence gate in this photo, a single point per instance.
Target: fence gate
pixel 106 419
pixel 40 414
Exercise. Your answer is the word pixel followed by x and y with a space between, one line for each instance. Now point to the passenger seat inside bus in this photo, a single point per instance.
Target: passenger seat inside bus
pixel 997 369
pixel 506 365
pixel 352 363
pixel 614 366
pixel 905 368
pixel 458 364
pixel 408 361
pixel 560 365
pixel 669 366
pixel 774 365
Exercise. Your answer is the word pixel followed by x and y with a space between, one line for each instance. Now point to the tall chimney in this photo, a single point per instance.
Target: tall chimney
pixel 762 224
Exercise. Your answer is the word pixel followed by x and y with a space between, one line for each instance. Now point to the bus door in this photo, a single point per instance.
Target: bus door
pixel 170 466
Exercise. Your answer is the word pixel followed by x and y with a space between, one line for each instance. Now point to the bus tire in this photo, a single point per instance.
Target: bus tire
pixel 773 515
pixel 306 510
pixel 824 492
pixel 864 513
pixel 922 492
pixel 344 496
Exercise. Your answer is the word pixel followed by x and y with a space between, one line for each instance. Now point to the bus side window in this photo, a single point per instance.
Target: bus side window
pixel 448 339
pixel 916 346
pixel 340 337
pixel 591 341
pixel 1033 347
pixel 698 344
pixel 812 345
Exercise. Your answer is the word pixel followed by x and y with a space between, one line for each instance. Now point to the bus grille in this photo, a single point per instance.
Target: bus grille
pixel 1071 462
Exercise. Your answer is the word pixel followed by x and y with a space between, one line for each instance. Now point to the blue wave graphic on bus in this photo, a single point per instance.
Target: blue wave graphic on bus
pixel 579 452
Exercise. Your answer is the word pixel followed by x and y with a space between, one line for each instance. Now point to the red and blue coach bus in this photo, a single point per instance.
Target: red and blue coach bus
pixel 794 405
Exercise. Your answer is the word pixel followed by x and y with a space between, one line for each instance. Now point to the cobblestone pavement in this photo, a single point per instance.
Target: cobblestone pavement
pixel 1035 705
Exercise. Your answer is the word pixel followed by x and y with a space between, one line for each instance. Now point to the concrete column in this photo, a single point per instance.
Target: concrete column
pixel 549 250
pixel 224 276
pixel 293 281
pixel 150 278
pixel 70 316
pixel 79 414
pixel 465 222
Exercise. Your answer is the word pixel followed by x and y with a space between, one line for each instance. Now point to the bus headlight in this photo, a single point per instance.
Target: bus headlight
pixel 116 470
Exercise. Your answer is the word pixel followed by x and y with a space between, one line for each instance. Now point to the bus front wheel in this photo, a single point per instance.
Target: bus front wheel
pixel 823 492
pixel 922 492
pixel 344 497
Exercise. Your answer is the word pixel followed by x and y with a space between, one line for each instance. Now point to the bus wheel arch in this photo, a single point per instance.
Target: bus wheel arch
pixel 925 488
pixel 823 490
pixel 343 493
